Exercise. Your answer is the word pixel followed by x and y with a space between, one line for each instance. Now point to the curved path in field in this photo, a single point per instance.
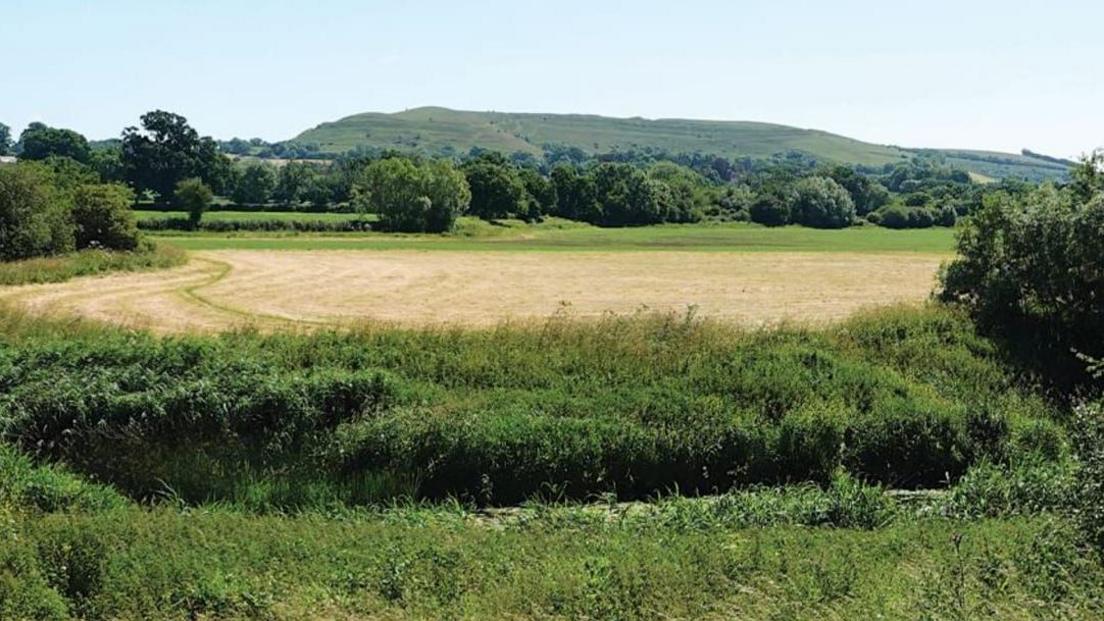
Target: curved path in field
pixel 225 289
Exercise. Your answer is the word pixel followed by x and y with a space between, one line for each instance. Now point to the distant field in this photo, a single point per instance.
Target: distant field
pixel 473 234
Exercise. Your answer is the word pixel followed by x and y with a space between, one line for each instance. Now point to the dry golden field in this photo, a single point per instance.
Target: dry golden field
pixel 224 289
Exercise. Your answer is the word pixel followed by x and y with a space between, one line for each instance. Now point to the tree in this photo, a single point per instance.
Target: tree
pixel 496 189
pixel 542 193
pixel 628 197
pixel 5 139
pixel 166 150
pixel 414 196
pixel 103 217
pixel 690 191
pixel 769 209
pixel 194 197
pixel 34 214
pixel 292 182
pixel 575 194
pixel 947 216
pixel 867 194
pixel 39 142
pixel 820 202
pixel 255 185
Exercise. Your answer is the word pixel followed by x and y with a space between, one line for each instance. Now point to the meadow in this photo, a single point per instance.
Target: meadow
pixel 852 462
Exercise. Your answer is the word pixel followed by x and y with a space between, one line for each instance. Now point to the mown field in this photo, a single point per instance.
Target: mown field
pixel 488 273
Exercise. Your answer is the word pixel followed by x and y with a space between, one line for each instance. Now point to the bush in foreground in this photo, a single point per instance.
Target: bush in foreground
pixel 630 406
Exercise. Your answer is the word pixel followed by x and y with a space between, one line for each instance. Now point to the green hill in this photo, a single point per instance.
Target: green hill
pixel 441 130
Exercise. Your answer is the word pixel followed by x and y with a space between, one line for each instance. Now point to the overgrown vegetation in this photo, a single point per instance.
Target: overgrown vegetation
pixel 628 406
pixel 64 267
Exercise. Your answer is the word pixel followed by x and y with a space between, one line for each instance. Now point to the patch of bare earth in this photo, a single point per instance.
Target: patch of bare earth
pixel 226 289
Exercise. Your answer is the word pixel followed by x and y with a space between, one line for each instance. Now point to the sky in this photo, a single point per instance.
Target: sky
pixel 975 74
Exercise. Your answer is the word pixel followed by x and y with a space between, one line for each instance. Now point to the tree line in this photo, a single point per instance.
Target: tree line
pixel 165 162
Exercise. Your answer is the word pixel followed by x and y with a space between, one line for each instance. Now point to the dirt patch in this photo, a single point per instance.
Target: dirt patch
pixel 226 289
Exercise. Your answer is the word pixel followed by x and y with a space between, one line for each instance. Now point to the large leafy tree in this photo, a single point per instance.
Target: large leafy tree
pixel 166 150
pixel 822 203
pixel 497 190
pixel 255 185
pixel 39 142
pixel 414 196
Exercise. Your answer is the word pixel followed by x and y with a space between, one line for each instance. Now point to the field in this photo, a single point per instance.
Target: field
pixel 740 273
pixel 526 421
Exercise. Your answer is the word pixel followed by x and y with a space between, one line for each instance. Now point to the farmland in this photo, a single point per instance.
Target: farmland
pixel 485 275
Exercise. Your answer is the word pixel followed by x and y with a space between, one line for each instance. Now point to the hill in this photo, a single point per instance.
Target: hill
pixel 441 130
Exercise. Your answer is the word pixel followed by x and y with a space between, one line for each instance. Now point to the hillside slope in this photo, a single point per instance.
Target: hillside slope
pixel 441 130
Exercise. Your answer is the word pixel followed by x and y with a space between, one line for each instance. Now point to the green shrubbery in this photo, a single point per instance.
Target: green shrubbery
pixel 629 406
pixel 45 212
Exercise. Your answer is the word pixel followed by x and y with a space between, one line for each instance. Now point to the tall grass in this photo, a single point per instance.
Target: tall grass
pixel 625 406
pixel 88 263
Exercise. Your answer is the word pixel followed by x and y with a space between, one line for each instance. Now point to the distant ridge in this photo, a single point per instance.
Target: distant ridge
pixel 442 130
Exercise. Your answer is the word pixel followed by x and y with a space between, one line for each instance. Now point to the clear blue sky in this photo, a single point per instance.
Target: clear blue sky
pixel 969 73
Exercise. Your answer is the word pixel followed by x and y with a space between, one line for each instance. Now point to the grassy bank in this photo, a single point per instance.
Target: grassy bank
pixel 89 263
pixel 624 406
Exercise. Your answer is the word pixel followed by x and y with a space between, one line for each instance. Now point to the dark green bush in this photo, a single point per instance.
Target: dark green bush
pixel 34 215
pixel 103 217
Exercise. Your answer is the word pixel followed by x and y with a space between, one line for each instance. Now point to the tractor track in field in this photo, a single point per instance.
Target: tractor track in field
pixel 271 290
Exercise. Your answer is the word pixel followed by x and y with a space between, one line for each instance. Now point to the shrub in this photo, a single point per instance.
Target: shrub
pixel 920 218
pixel 1089 437
pixel 34 215
pixel 820 202
pixel 894 217
pixel 103 217
pixel 193 196
pixel 947 216
pixel 1031 267
pixel 770 210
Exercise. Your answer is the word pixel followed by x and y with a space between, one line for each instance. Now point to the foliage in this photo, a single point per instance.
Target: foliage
pixel 254 185
pixel 626 406
pixel 194 197
pixel 39 142
pixel 1089 439
pixel 416 196
pixel 34 214
pixel 542 192
pixel 103 217
pixel 497 190
pixel 820 202
pixel 166 151
pixel 64 267
pixel 1036 260
pixel 5 139
pixel 770 210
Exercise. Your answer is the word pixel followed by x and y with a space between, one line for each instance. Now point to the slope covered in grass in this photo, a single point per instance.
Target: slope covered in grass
pixel 435 129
